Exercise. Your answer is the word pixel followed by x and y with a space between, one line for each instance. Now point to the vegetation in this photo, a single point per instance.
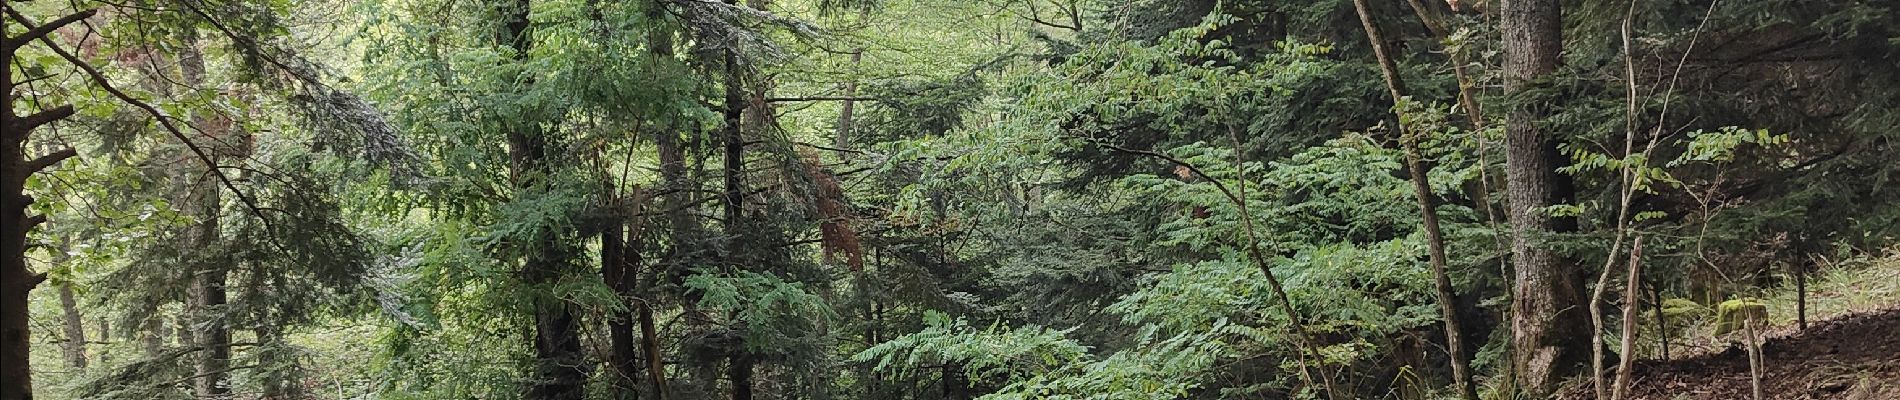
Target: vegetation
pixel 929 199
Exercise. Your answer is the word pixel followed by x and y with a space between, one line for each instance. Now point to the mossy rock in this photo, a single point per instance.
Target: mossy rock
pixel 1730 315
pixel 1680 314
pixel 1679 311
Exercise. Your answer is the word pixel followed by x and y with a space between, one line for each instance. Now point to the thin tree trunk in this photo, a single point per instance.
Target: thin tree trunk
pixel 843 141
pixel 650 346
pixel 208 281
pixel 1632 300
pixel 616 269
pixel 738 364
pixel 1428 209
pixel 1662 321
pixel 75 346
pixel 1749 322
pixel 1544 320
pixel 1801 295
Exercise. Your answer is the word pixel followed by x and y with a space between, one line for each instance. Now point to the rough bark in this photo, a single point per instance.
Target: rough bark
pixel 15 279
pixel 739 372
pixel 650 347
pixel 1427 206
pixel 1545 313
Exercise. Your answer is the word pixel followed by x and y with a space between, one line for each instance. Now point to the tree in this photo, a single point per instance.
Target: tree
pixel 16 280
pixel 1544 311
pixel 1427 206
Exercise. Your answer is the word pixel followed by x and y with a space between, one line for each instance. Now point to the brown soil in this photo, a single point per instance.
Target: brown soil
pixel 1855 357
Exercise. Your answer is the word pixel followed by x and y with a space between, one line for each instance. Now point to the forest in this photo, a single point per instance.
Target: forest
pixel 950 199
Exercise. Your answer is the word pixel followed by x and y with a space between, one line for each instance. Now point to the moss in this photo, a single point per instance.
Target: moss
pixel 1730 315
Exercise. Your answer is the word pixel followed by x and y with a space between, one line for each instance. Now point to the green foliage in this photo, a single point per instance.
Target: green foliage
pixel 773 314
pixel 993 353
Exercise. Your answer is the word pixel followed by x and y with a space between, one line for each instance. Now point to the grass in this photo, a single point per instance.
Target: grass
pixel 1860 285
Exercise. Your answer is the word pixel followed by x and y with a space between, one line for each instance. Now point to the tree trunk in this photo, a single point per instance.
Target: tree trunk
pixel 153 337
pixel 1545 331
pixel 650 347
pixel 734 140
pixel 739 372
pixel 739 365
pixel 845 108
pixel 1428 208
pixel 208 302
pixel 16 281
pixel 74 349
pixel 560 362
pixel 1632 300
pixel 616 270
pixel 208 280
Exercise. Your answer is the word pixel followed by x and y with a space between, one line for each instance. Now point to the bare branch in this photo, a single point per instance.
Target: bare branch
pixel 38 164
pixel 43 30
pixel 43 117
pixel 819 98
pixel 34 280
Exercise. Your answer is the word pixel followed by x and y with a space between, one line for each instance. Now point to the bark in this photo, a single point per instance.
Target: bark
pixel 1428 208
pixel 1545 313
pixel 734 143
pixel 1801 295
pixel 153 337
pixel 74 349
pixel 1662 323
pixel 675 199
pixel 850 101
pixel 739 365
pixel 616 270
pixel 208 302
pixel 560 363
pixel 208 280
pixel 16 281
pixel 739 372
pixel 1632 301
pixel 650 347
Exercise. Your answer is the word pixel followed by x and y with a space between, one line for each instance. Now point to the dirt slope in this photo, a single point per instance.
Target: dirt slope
pixel 1855 357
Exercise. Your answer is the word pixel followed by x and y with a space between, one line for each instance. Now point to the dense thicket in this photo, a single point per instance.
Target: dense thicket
pixel 912 199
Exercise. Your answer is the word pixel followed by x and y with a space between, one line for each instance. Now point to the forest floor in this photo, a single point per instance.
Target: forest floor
pixel 1851 350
